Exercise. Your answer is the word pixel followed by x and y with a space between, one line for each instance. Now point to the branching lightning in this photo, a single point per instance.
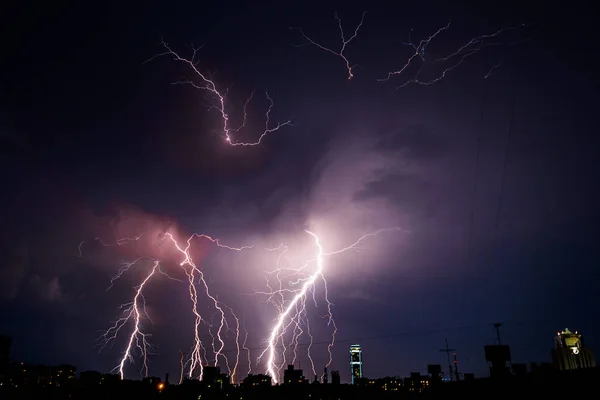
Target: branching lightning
pixel 202 81
pixel 345 43
pixel 292 288
pixel 134 313
pixel 449 62
pixel 290 299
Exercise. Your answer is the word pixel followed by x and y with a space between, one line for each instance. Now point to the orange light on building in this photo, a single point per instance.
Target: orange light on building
pixel 161 386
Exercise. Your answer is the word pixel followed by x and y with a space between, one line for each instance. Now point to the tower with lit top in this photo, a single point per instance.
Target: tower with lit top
pixel 570 351
pixel 356 362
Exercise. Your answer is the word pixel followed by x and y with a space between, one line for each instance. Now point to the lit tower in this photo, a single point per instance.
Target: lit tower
pixel 356 362
pixel 570 352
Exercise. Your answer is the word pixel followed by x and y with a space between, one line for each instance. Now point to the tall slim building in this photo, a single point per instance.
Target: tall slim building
pixel 570 351
pixel 356 362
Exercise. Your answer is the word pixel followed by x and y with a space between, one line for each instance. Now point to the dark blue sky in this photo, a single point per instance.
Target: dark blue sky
pixel 95 142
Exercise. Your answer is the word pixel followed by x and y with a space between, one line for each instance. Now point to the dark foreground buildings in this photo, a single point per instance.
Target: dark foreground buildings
pixel 568 376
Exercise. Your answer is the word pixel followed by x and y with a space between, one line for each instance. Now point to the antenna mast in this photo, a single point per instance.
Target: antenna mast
pixel 497 326
pixel 448 350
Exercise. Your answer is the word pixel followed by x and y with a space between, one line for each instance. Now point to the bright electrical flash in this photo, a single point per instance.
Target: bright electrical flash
pixel 291 302
pixel 132 312
pixel 135 311
pixel 449 62
pixel 195 274
pixel 345 43
pixel 203 82
pixel 293 287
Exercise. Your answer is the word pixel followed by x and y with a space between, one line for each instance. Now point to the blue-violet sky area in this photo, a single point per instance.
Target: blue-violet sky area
pixel 490 175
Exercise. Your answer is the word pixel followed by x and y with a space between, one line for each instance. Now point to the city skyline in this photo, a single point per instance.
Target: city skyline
pixel 429 178
pixel 576 356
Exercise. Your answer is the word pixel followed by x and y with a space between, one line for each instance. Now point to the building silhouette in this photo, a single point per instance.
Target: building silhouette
pixel 498 358
pixel 293 376
pixel 256 380
pixel 519 369
pixel 213 378
pixel 435 371
pixel 5 344
pixel 570 351
pixel 356 363
pixel 335 378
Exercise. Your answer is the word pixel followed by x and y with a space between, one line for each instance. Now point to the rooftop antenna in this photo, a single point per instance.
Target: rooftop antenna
pixel 497 326
pixel 447 350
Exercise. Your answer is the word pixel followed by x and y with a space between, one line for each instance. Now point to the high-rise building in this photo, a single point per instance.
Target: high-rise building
pixel 356 362
pixel 570 351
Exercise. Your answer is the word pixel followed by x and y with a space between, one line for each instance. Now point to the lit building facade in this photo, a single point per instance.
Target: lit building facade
pixel 570 351
pixel 356 363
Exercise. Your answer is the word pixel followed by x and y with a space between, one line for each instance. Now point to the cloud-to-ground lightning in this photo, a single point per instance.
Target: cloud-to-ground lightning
pixel 345 43
pixel 448 63
pixel 135 313
pixel 291 301
pixel 202 81
pixel 294 290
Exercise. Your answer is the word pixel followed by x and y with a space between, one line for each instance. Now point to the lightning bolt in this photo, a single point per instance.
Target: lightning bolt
pixel 134 312
pixel 290 293
pixel 247 349
pixel 204 83
pixel 291 303
pixel 487 75
pixel 194 273
pixel 449 62
pixel 345 42
pixel 119 242
pixel 182 364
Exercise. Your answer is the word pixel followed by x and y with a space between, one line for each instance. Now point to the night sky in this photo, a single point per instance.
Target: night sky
pixel 493 181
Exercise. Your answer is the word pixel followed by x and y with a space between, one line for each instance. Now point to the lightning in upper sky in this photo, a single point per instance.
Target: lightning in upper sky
pixel 448 63
pixel 345 43
pixel 202 81
pixel 293 287
pixel 291 301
